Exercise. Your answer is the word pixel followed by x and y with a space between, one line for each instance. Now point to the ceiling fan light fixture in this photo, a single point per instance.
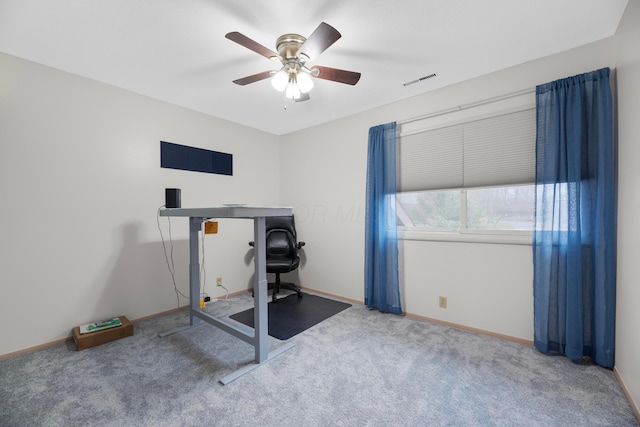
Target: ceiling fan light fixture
pixel 295 79
pixel 293 91
pixel 305 82
pixel 280 80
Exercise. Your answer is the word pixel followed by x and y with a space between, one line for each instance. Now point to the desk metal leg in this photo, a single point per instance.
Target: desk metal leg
pixel 260 313
pixel 260 336
pixel 195 226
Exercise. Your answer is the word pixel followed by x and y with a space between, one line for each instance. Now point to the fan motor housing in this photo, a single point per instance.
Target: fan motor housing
pixel 288 45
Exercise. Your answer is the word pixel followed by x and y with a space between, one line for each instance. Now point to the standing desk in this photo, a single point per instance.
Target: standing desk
pixel 258 336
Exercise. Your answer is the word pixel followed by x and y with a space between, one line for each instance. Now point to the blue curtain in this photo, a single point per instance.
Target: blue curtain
pixel 382 290
pixel 574 240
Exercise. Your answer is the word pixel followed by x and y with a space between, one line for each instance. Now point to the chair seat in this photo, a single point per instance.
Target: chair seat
pixel 285 265
pixel 281 251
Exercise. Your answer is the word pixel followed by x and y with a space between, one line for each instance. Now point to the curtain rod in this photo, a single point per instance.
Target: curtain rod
pixel 466 106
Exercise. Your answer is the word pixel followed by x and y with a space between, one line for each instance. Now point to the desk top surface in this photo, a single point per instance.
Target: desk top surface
pixel 229 211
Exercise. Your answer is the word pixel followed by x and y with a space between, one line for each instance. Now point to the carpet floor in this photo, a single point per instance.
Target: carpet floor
pixel 357 368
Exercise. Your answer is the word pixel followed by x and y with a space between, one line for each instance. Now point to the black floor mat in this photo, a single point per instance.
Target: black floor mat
pixel 292 315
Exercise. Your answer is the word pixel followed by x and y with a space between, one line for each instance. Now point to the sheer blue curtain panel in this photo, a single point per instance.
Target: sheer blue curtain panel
pixel 574 241
pixel 382 290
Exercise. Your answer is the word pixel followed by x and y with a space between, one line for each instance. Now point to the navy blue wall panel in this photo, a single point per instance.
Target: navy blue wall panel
pixel 176 156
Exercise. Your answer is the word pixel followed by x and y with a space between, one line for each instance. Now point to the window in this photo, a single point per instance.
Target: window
pixel 469 173
pixel 430 210
pixel 501 209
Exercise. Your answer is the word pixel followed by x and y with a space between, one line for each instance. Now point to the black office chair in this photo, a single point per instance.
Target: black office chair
pixel 281 251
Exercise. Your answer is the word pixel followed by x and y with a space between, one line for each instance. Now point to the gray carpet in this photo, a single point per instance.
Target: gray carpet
pixel 357 368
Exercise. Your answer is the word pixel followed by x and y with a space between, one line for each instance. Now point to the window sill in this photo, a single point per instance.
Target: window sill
pixel 493 238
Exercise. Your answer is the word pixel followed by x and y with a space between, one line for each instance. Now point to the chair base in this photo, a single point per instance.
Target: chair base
pixel 277 285
pixel 283 285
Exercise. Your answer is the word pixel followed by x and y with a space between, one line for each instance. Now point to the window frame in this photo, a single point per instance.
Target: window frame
pixel 464 234
pixel 484 109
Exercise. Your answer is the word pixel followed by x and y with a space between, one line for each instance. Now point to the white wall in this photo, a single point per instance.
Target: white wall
pixel 81 183
pixel 627 362
pixel 80 177
pixel 488 286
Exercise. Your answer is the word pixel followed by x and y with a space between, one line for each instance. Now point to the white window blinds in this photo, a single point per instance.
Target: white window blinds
pixel 479 147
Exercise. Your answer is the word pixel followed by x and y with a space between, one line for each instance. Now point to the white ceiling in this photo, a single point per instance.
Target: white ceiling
pixel 175 50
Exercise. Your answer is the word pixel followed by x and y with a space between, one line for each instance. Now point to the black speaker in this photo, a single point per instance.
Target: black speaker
pixel 172 197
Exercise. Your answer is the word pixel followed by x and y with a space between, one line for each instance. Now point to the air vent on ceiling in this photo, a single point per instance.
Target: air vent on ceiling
pixel 419 80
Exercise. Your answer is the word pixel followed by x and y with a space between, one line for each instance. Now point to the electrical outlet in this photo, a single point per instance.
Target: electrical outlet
pixel 443 302
pixel 219 281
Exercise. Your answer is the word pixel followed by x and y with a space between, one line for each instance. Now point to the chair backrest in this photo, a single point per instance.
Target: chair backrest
pixel 281 237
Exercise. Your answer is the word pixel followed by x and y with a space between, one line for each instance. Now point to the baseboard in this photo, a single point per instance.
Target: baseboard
pixel 470 329
pixel 332 296
pixel 633 404
pixel 429 319
pixel 70 337
pixel 36 347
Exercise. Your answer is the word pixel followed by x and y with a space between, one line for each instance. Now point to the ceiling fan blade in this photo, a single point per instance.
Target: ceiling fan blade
pixel 245 41
pixel 336 75
pixel 254 78
pixel 323 37
pixel 303 97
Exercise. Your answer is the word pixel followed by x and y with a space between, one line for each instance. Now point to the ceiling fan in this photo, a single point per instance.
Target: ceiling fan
pixel 294 77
